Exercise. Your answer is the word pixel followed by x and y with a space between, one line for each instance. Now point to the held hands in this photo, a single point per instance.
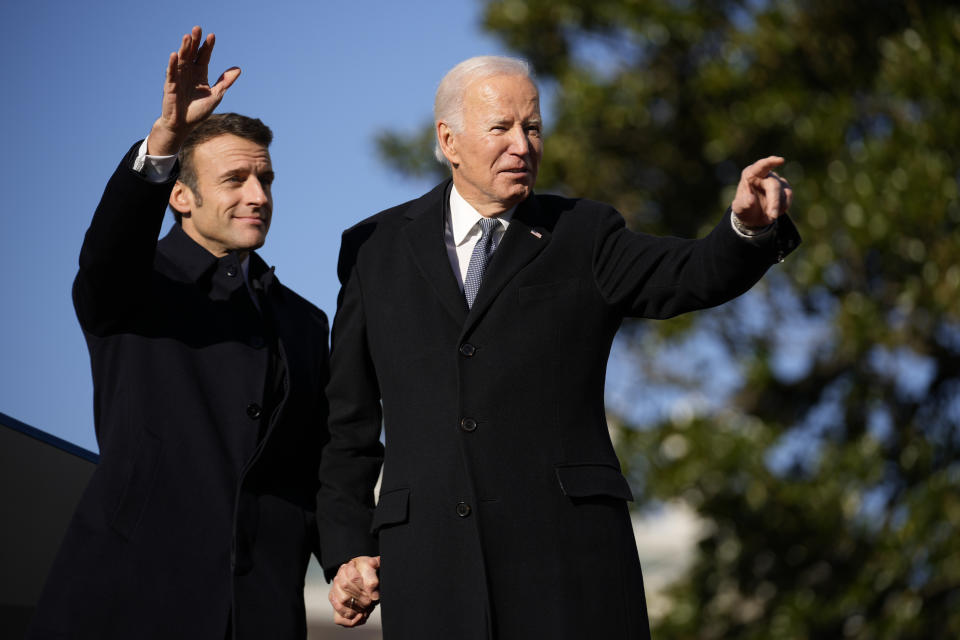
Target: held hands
pixel 762 195
pixel 355 591
pixel 188 99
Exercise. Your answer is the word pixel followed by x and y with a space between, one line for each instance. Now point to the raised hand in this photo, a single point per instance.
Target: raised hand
pixel 188 98
pixel 762 195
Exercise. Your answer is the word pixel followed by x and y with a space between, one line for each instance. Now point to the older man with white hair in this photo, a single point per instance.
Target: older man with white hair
pixel 474 326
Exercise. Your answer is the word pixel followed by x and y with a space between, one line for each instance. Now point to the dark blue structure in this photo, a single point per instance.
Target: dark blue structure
pixel 41 480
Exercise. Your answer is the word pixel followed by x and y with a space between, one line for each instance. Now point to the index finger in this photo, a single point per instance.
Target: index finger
pixel 762 168
pixel 172 66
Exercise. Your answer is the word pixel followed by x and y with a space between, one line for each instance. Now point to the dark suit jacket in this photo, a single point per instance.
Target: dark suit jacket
pixel 210 417
pixel 502 511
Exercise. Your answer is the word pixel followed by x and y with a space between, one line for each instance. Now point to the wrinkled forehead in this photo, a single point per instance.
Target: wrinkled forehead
pixel 230 150
pixel 503 91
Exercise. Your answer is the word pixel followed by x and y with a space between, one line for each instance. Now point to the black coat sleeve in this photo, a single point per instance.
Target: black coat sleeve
pixel 352 459
pixel 117 255
pixel 660 277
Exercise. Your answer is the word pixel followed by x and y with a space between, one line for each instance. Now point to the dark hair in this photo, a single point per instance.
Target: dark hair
pixel 218 124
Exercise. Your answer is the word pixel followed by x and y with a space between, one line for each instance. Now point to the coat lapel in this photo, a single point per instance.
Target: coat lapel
pixel 424 234
pixel 525 238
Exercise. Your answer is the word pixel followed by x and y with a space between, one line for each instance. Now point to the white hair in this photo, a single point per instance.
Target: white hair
pixel 448 103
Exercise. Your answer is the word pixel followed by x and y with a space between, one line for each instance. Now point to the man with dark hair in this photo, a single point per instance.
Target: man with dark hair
pixel 235 124
pixel 474 325
pixel 208 382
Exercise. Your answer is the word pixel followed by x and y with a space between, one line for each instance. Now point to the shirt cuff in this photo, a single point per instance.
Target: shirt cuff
pixel 153 168
pixel 750 232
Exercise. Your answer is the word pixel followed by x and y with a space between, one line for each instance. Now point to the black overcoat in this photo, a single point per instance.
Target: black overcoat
pixel 210 417
pixel 502 510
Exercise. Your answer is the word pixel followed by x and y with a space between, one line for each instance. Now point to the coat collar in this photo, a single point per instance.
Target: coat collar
pixel 193 260
pixel 196 263
pixel 424 236
pixel 526 237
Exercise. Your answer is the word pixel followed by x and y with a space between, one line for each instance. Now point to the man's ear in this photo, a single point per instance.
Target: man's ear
pixel 181 198
pixel 447 140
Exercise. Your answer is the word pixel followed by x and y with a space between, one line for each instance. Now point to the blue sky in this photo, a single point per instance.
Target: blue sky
pixel 83 81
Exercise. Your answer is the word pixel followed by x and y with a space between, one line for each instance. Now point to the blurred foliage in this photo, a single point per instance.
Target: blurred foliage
pixel 826 475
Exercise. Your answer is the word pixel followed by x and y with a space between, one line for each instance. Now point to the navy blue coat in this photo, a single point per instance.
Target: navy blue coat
pixel 210 417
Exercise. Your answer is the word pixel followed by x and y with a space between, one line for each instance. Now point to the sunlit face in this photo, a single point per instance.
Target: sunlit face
pixel 496 156
pixel 232 207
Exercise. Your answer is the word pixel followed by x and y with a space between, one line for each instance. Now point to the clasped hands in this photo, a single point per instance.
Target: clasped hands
pixel 355 591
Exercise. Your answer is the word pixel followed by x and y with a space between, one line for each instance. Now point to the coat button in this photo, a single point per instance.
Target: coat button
pixel 254 411
pixel 231 271
pixel 467 350
pixel 463 509
pixel 468 424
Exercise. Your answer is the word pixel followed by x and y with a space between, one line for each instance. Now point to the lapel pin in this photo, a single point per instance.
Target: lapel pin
pixel 536 233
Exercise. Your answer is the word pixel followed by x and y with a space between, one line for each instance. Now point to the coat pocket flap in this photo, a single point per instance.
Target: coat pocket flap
pixel 586 480
pixel 390 509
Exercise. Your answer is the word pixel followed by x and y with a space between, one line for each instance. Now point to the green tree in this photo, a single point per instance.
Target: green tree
pixel 813 423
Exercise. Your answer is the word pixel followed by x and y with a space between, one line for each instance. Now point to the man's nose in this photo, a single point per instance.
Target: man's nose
pixel 256 194
pixel 519 143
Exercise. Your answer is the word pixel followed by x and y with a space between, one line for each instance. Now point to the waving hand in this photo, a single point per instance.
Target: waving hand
pixel 188 98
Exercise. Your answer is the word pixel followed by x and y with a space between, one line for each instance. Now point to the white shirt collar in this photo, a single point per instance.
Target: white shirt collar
pixel 463 217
